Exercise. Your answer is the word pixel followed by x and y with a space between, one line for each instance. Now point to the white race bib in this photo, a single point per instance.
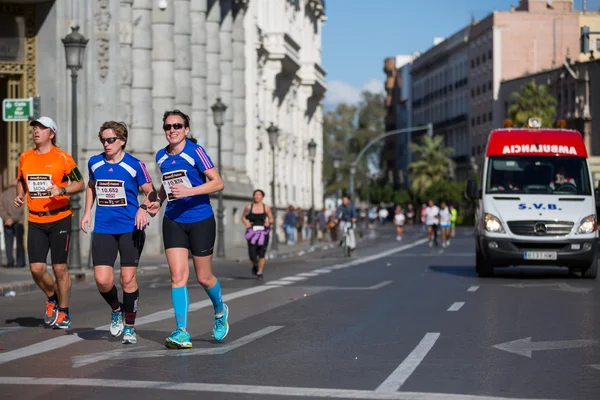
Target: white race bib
pixel 175 178
pixel 111 193
pixel 258 228
pixel 38 185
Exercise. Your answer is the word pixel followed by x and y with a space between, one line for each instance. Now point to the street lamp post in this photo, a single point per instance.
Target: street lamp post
pixel 218 110
pixel 74 44
pixel 337 162
pixel 312 153
pixel 273 132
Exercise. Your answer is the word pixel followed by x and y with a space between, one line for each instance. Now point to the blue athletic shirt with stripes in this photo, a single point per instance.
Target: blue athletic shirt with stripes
pixel 186 168
pixel 117 187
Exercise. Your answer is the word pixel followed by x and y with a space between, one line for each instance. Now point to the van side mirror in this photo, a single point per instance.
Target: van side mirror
pixel 472 190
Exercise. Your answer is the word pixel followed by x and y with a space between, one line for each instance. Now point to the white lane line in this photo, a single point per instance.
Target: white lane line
pixel 308 274
pixel 408 366
pixel 294 278
pixel 322 270
pixel 456 306
pixel 380 285
pixel 240 389
pixel 127 354
pixel 595 366
pixel 56 343
pixel 472 289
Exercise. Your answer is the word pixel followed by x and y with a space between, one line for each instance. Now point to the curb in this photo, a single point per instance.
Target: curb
pixel 29 285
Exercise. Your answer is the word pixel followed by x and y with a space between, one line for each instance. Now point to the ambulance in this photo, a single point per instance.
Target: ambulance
pixel 536 205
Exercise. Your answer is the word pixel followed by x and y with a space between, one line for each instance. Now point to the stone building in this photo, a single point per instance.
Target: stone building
pixel 261 57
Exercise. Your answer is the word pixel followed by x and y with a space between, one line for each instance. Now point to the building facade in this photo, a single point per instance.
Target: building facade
pixel 261 57
pixel 440 95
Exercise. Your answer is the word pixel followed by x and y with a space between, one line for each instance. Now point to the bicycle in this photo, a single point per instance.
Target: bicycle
pixel 346 228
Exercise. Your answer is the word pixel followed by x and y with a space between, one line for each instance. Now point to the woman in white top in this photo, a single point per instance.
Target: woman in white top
pixel 432 220
pixel 445 224
pixel 399 222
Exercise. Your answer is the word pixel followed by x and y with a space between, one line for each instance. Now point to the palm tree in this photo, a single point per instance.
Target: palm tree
pixel 433 163
pixel 534 101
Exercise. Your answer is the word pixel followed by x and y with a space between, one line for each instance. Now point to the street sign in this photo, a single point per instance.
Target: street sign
pixel 14 110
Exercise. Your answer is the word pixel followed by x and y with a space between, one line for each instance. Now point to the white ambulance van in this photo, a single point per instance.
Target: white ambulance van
pixel 537 203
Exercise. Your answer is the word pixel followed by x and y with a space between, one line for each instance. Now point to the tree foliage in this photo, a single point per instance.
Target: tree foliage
pixel 432 165
pixel 533 101
pixel 346 131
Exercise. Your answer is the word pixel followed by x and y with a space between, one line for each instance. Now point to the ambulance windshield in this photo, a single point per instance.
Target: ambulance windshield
pixel 538 175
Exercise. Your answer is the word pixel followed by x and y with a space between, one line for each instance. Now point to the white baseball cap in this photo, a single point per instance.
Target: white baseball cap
pixel 45 121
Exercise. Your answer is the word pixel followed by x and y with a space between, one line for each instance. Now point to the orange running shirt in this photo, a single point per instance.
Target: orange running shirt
pixel 38 172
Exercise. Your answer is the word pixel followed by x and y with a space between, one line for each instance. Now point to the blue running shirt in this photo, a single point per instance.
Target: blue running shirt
pixel 117 187
pixel 186 168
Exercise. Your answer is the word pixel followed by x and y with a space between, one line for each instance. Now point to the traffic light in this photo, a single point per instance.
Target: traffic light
pixel 585 39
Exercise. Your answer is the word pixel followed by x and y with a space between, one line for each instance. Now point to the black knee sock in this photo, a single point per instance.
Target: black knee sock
pixel 112 298
pixel 130 303
pixel 53 298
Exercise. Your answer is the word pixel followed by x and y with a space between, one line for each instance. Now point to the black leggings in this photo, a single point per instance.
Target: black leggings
pixel 255 251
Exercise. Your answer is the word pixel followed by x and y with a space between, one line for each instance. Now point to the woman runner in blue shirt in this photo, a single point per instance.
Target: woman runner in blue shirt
pixel 188 177
pixel 115 179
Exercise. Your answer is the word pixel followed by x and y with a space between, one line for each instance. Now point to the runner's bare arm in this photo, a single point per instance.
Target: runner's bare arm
pixel 246 211
pixel 270 218
pixel 90 196
pixel 213 185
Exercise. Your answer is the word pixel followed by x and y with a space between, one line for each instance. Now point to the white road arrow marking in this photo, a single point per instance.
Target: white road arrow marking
pixel 126 354
pixel 525 347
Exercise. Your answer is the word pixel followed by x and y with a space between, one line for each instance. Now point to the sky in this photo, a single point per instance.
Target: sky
pixel 359 34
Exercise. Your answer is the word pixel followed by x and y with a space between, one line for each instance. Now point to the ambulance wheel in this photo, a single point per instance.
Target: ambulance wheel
pixel 484 268
pixel 591 271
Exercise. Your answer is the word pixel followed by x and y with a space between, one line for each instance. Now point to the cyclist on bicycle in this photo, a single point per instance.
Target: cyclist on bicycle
pixel 346 215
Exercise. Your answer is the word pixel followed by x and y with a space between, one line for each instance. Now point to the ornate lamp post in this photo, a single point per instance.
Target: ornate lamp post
pixel 74 44
pixel 273 132
pixel 312 154
pixel 218 110
pixel 337 162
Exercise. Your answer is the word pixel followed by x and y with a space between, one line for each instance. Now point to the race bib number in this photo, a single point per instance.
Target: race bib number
pixel 111 193
pixel 38 185
pixel 175 178
pixel 258 228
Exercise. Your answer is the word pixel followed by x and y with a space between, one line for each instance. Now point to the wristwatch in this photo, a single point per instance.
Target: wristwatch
pixel 64 191
pixel 144 207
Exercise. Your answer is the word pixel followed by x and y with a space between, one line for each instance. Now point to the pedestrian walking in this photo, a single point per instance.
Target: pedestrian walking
pixel 258 219
pixel 13 227
pixel 115 179
pixel 188 178
pixel 399 219
pixel 432 221
pixel 410 215
pixel 289 225
pixel 47 176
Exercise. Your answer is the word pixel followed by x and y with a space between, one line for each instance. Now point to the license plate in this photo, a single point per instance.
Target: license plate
pixel 539 255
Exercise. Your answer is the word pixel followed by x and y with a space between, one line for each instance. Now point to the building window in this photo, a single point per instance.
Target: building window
pixel 473 92
pixel 483 58
pixel 478 120
pixel 478 91
pixel 490 55
pixel 483 88
pixel 472 63
pixel 490 116
pixel 477 61
pixel 473 121
pixel 478 149
pixel 490 85
pixel 473 151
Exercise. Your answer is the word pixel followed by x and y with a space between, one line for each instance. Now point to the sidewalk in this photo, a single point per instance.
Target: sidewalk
pixel 19 280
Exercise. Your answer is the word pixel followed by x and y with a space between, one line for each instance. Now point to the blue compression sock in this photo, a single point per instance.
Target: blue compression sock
pixel 181 303
pixel 214 293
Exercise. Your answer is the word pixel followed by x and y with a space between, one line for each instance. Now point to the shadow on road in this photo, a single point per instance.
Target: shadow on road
pixel 29 322
pixel 523 273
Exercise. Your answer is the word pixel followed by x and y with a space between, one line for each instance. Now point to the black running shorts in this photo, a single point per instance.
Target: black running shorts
pixel 129 246
pixel 54 236
pixel 199 237
pixel 255 251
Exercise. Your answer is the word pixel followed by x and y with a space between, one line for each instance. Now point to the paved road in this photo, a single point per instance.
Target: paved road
pixel 399 321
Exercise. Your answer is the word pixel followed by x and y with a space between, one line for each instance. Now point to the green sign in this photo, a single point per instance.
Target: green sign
pixel 14 110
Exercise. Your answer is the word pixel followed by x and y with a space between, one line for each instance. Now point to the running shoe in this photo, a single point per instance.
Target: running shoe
pixel 116 323
pixel 51 313
pixel 129 336
pixel 63 321
pixel 221 327
pixel 259 277
pixel 254 269
pixel 179 339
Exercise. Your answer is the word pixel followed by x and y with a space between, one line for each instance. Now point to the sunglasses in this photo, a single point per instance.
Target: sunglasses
pixel 110 140
pixel 177 126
